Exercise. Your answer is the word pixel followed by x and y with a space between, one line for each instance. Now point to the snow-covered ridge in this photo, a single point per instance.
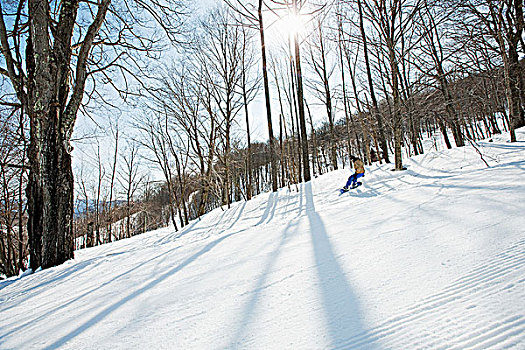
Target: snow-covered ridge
pixel 432 257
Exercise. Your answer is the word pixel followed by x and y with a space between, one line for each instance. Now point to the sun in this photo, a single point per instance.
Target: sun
pixel 291 24
pixel 287 25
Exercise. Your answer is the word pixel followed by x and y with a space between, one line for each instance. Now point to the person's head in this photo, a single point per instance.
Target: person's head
pixel 353 158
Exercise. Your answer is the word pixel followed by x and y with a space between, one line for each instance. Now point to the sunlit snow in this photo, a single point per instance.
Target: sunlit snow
pixel 432 257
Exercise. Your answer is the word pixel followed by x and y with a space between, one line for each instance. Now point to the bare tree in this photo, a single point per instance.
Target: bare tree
pixel 130 179
pixel 13 175
pixel 320 52
pixel 155 140
pixel 433 59
pixel 500 26
pixel 101 173
pixel 342 49
pixel 296 8
pixel 115 131
pixel 249 87
pixel 49 81
pixel 220 54
pixel 254 18
pixel 375 108
pixel 393 20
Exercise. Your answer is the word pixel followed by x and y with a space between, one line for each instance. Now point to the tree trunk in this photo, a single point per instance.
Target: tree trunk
pixel 443 129
pixel 300 102
pixel 328 102
pixel 273 160
pixel 227 162
pixel 343 80
pixel 181 189
pixel 315 157
pixel 396 113
pixel 21 254
pixel 111 184
pixel 281 126
pixel 249 189
pixel 281 148
pixel 52 109
pixel 50 195
pixel 512 82
pixel 294 111
pixel 375 111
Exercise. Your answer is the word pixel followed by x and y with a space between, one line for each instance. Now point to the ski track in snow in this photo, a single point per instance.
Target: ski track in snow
pixel 429 258
pixel 503 274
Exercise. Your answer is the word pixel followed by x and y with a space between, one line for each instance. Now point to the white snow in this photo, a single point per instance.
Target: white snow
pixel 432 257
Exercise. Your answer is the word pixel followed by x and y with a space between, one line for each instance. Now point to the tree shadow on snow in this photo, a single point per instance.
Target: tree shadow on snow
pixel 51 276
pixel 272 203
pixel 341 307
pixel 66 302
pixel 250 308
pixel 154 282
pixel 239 215
pixel 189 228
pixel 6 283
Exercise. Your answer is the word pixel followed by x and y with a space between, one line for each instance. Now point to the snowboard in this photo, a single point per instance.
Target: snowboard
pixel 357 184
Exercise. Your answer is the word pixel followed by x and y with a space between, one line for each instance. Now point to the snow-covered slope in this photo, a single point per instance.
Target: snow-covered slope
pixel 433 257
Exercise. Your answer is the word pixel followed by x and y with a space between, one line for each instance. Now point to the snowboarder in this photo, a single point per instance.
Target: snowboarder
pixel 359 172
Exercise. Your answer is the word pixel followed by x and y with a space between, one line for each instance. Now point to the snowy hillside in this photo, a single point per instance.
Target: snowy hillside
pixel 433 257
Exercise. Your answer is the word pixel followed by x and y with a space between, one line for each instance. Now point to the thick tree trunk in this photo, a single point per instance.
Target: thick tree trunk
pixel 453 117
pixel 52 109
pixel 457 133
pixel 204 197
pixel 50 195
pixel 443 129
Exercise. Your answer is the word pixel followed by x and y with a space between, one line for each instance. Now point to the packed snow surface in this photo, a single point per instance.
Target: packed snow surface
pixel 431 257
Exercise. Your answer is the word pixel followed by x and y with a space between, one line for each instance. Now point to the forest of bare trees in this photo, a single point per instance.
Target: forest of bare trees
pixel 331 79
